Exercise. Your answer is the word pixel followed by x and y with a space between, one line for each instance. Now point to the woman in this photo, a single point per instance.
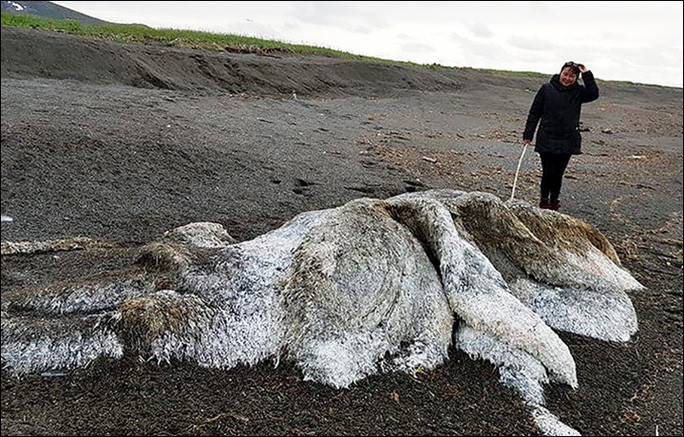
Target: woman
pixel 558 104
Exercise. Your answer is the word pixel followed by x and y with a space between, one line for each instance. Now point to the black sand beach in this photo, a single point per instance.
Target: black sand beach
pixel 120 143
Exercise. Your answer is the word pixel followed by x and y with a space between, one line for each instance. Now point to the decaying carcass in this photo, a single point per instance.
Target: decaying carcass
pixel 371 286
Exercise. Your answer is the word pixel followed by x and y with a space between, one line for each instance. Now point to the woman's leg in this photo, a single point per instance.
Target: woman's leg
pixel 547 172
pixel 560 163
pixel 553 168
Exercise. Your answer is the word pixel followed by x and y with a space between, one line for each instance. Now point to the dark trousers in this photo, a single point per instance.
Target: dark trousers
pixel 553 168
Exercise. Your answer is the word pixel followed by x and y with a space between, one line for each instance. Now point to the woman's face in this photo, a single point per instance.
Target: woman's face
pixel 568 76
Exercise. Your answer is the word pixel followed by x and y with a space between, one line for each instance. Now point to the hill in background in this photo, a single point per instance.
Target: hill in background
pixel 48 10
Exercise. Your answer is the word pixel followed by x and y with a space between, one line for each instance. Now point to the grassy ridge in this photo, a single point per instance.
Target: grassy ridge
pixel 138 33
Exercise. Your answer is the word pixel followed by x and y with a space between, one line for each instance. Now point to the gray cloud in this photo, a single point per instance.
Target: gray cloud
pixel 345 15
pixel 530 43
pixel 481 30
pixel 417 47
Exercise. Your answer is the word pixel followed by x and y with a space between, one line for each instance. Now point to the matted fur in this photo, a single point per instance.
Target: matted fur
pixel 371 286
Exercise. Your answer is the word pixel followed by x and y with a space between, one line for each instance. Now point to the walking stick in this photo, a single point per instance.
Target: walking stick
pixel 515 181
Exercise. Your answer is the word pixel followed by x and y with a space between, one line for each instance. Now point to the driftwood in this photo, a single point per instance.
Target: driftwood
pixel 371 286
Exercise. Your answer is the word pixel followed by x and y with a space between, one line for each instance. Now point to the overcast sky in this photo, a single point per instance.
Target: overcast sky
pixel 632 41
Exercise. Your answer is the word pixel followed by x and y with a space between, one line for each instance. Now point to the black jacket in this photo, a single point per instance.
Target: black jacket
pixel 559 108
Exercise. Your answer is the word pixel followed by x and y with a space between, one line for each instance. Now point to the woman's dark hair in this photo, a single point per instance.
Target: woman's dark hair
pixel 573 65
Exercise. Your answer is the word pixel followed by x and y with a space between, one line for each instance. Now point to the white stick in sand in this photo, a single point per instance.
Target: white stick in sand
pixel 515 181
